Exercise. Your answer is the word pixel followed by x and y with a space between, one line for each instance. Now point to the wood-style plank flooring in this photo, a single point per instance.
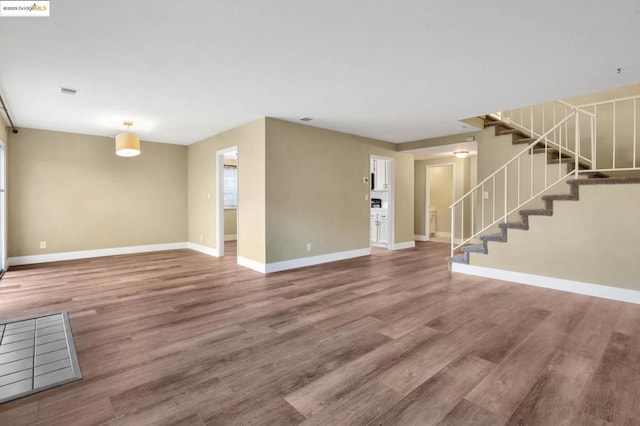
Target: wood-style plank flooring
pixel 179 337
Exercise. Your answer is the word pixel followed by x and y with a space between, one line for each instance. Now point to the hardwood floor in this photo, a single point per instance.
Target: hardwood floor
pixel 179 337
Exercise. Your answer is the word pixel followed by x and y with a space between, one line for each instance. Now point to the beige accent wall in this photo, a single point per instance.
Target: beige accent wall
pixel 230 222
pixel 592 240
pixel 464 179
pixel 250 140
pixel 73 192
pixel 315 190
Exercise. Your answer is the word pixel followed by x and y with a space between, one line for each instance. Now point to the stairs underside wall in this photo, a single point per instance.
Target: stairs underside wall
pixel 593 240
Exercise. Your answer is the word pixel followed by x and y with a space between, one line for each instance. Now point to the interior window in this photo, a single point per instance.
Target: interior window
pixel 230 186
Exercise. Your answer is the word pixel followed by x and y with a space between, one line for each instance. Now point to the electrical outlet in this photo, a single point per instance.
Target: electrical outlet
pixel 43 244
pixel 201 237
pixel 308 246
pixel 208 195
pixel 485 195
pixel 366 197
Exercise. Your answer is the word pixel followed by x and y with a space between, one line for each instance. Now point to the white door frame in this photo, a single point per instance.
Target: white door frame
pixel 427 198
pixel 391 182
pixel 220 197
pixel 3 205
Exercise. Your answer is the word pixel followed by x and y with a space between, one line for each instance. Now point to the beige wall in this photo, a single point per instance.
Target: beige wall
pixel 73 192
pixel 464 177
pixel 315 192
pixel 250 140
pixel 592 240
pixel 4 133
pixel 230 222
pixel 440 179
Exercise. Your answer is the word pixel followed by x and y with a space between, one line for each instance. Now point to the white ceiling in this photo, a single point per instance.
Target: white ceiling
pixel 392 70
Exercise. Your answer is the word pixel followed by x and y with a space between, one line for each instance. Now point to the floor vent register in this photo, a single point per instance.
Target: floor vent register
pixel 36 353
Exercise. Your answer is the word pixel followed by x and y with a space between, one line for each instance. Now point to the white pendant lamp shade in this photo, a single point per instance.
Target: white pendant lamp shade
pixel 127 144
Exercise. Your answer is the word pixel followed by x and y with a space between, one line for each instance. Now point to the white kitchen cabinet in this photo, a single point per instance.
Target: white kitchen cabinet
pixel 381 178
pixel 374 230
pixel 383 231
pixel 380 228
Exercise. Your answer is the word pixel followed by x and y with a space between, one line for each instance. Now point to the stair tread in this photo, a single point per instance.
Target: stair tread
pixel 459 258
pixel 493 237
pixel 552 151
pixel 489 123
pixel 592 174
pixel 536 212
pixel 476 248
pixel 514 225
pixel 566 160
pixel 510 131
pixel 558 197
pixel 604 181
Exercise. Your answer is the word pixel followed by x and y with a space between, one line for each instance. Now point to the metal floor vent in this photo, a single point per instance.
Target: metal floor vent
pixel 36 353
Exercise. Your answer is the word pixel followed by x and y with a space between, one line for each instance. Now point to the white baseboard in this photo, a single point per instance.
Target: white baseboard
pixel 301 262
pixel 252 264
pixel 403 245
pixel 85 254
pixel 443 234
pixel 316 260
pixel 421 237
pixel 589 289
pixel 230 237
pixel 203 249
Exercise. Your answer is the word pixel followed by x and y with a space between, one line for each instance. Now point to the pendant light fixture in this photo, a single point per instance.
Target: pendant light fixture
pixel 127 144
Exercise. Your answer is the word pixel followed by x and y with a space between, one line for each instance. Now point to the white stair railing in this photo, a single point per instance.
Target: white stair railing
pixel 614 146
pixel 600 136
pixel 537 119
pixel 517 182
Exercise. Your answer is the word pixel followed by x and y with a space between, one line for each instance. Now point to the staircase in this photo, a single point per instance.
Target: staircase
pixel 562 145
pixel 523 223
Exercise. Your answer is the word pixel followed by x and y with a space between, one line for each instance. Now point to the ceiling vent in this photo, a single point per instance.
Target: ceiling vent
pixel 68 91
pixel 305 118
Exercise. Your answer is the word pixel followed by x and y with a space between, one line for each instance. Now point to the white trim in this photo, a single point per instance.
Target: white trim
pixel 443 234
pixel 597 290
pixel 315 260
pixel 203 249
pixel 421 237
pixel 84 254
pixel 252 264
pixel 4 261
pixel 231 237
pixel 403 245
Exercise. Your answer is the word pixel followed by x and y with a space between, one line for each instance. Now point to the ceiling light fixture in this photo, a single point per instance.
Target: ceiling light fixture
pixel 461 154
pixel 127 144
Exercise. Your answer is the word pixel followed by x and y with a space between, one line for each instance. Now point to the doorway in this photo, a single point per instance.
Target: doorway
pixel 440 194
pixel 227 205
pixel 382 202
